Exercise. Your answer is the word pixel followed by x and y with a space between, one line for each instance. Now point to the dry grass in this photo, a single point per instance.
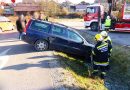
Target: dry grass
pixel 81 73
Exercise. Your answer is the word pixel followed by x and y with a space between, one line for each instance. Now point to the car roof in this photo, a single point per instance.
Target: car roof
pixel 57 24
pixel 3 18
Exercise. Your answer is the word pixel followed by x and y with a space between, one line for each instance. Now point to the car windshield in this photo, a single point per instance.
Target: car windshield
pixel 4 19
pixel 127 9
pixel 91 10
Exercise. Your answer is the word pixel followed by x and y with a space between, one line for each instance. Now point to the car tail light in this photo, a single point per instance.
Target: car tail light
pixel 25 29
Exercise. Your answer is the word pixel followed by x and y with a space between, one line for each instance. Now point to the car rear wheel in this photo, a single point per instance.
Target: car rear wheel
pixel 13 27
pixel 94 26
pixel 1 29
pixel 41 45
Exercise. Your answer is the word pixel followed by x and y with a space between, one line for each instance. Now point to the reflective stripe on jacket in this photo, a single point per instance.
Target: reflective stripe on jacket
pixel 102 63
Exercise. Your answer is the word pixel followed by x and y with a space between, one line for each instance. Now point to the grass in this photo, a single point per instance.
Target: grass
pixel 120 62
pixel 80 72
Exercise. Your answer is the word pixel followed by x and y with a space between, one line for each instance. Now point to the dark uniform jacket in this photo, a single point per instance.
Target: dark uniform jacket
pixel 109 1
pixel 100 52
pixel 19 26
pixel 108 40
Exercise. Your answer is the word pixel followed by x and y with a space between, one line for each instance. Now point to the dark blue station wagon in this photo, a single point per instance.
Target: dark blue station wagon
pixel 47 35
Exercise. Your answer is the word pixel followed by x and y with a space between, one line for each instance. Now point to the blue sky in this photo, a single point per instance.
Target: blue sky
pixel 74 1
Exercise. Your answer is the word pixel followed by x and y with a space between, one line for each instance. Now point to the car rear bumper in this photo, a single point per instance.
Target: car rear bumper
pixel 24 37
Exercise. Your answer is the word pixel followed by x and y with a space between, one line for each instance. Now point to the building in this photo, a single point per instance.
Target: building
pixel 77 8
pixel 26 8
pixel 28 1
pixel 80 8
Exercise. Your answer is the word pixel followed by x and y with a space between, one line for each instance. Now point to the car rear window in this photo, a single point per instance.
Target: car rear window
pixel 40 26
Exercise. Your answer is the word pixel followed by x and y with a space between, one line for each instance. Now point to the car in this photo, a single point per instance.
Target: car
pixel 44 35
pixel 5 24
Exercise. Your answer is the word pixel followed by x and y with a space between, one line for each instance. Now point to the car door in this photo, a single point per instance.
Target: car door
pixel 59 38
pixel 75 43
pixel 38 30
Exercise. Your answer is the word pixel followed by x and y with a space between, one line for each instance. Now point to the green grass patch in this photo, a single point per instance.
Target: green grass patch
pixel 80 72
pixel 120 64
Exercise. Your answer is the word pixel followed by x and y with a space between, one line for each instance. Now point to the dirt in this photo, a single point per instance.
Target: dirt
pixel 62 79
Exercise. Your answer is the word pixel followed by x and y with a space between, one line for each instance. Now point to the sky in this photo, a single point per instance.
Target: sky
pixel 73 1
pixel 77 1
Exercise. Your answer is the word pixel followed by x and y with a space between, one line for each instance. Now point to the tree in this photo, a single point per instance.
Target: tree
pixel 66 4
pixel 52 8
pixel 84 3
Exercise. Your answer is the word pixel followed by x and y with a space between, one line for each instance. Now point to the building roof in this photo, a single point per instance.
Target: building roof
pixel 27 7
pixel 79 6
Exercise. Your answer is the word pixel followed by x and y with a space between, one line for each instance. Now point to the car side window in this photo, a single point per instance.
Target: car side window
pixel 40 26
pixel 74 36
pixel 60 31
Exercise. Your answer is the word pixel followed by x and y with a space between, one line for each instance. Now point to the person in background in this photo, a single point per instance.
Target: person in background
pixel 19 26
pixel 23 21
pixel 35 15
pixel 43 17
pixel 100 57
pixel 108 23
pixel 113 22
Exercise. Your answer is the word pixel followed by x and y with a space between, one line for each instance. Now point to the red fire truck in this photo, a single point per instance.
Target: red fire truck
pixel 122 23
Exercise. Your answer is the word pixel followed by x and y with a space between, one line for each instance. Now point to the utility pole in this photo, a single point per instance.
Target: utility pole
pixel 99 18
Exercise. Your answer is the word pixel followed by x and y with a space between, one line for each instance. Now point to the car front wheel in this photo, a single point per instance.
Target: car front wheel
pixel 41 45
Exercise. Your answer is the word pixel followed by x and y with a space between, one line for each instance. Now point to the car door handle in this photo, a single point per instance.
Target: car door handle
pixel 52 38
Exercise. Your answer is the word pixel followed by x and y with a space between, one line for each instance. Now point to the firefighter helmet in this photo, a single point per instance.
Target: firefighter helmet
pixel 104 33
pixel 98 37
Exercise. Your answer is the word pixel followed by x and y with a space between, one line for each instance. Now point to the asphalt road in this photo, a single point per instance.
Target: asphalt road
pixel 21 67
pixel 117 37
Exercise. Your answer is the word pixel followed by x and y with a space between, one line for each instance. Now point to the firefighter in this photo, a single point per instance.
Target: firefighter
pixel 108 40
pixel 100 57
pixel 108 23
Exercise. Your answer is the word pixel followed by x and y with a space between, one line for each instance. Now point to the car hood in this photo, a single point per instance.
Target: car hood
pixel 88 44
